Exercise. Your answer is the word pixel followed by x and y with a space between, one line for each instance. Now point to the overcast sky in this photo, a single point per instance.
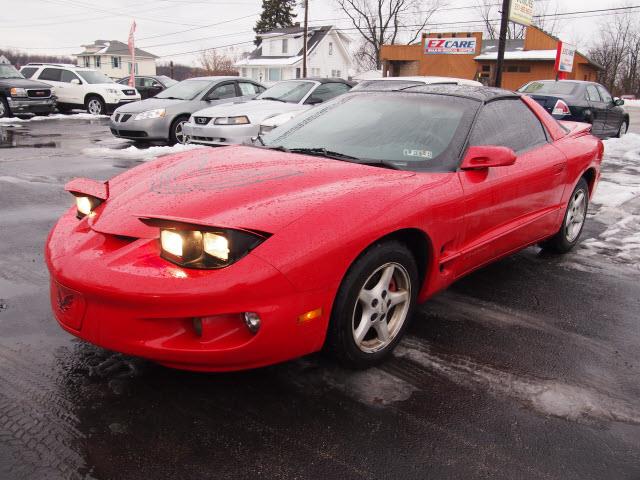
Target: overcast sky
pixel 62 26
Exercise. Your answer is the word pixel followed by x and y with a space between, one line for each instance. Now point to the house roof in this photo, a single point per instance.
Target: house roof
pixel 113 47
pixel 317 35
pixel 512 45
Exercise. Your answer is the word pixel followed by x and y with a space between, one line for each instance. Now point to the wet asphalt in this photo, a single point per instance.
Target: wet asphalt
pixel 528 368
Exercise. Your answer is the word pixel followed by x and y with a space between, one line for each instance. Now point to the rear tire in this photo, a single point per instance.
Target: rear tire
pixel 373 305
pixel 95 105
pixel 5 111
pixel 176 134
pixel 574 219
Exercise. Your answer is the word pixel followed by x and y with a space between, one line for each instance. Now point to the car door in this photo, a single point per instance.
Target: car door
pixel 153 87
pixel 73 91
pixel 53 76
pixel 614 113
pixel 512 206
pixel 598 110
pixel 141 87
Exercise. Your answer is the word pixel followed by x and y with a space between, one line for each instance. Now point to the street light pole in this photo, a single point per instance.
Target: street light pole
pixel 306 30
pixel 502 42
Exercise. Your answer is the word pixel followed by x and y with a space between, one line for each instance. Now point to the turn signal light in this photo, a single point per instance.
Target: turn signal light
pixel 311 315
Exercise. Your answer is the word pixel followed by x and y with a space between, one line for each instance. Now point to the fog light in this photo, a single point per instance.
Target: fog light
pixel 252 321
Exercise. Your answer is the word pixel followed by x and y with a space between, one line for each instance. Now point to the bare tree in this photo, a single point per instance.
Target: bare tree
pixel 385 22
pixel 365 57
pixel 217 63
pixel 545 18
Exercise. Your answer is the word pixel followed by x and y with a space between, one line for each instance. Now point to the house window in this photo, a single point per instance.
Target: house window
pixel 298 72
pixel 524 68
pixel 87 62
pixel 512 68
pixel 486 68
pixel 244 72
pixel 330 48
pixel 285 45
pixel 274 74
pixel 136 68
pixel 315 72
pixel 97 60
pixel 116 62
pixel 336 73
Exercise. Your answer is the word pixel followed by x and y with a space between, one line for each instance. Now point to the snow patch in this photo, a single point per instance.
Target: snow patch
pixel 56 116
pixel 549 397
pixel 135 153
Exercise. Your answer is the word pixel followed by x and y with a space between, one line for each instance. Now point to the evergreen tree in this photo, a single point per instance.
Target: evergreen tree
pixel 275 14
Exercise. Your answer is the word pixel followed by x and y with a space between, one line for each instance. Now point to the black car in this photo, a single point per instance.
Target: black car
pixel 580 101
pixel 150 85
pixel 21 96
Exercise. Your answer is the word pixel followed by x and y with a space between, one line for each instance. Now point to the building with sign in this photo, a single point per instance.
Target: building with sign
pixel 469 55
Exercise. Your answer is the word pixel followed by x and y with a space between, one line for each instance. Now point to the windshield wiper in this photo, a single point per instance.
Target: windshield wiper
pixel 323 152
pixel 274 98
pixel 170 98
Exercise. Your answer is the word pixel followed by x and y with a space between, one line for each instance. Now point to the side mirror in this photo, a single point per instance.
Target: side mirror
pixel 486 156
pixel 211 99
pixel 618 102
pixel 75 81
pixel 313 100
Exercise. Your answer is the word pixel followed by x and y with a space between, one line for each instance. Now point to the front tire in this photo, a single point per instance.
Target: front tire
pixel 624 126
pixel 574 219
pixel 373 305
pixel 5 111
pixel 95 105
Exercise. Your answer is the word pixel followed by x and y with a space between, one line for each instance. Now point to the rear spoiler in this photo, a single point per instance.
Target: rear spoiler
pixel 576 129
pixel 86 186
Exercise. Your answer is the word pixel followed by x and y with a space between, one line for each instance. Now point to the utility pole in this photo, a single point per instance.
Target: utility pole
pixel 171 69
pixel 306 31
pixel 502 42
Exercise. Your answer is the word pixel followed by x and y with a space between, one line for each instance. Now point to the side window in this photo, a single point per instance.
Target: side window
pixel 592 94
pixel 508 123
pixel 247 88
pixel 140 82
pixel 606 96
pixel 260 88
pixel 327 91
pixel 52 74
pixel 67 76
pixel 228 90
pixel 28 71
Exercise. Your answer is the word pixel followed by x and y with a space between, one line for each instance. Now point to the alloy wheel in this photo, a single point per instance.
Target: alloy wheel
pixel 179 132
pixel 576 215
pixel 94 106
pixel 381 308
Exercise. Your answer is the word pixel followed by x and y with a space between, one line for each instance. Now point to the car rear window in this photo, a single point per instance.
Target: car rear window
pixel 28 71
pixel 549 88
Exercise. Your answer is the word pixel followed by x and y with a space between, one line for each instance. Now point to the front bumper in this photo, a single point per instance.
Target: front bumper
pixel 29 105
pixel 119 294
pixel 127 127
pixel 220 134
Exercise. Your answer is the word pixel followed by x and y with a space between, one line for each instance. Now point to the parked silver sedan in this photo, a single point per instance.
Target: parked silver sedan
pixel 240 121
pixel 163 116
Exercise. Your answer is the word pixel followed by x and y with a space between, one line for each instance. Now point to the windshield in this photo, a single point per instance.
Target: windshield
pixel 185 90
pixel 94 77
pixel 9 71
pixel 290 92
pixel 421 132
pixel 550 88
pixel 168 82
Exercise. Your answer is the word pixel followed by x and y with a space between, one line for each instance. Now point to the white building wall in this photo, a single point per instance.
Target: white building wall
pixel 326 59
pixel 146 66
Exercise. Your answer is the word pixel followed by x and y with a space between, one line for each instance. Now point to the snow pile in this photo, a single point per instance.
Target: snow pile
pixel 617 202
pixel 55 116
pixel 135 153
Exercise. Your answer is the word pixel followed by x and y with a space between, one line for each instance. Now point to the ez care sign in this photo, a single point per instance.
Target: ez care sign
pixel 450 46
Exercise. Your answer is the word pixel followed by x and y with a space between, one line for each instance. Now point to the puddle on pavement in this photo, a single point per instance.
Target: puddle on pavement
pixel 18 137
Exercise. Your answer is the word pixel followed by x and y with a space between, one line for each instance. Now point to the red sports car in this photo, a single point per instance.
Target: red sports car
pixel 326 236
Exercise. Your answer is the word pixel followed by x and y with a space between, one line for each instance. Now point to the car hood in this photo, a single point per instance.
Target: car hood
pixel 236 187
pixel 149 104
pixel 22 83
pixel 256 110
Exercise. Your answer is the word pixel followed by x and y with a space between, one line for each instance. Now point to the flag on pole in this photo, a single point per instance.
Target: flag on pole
pixel 132 51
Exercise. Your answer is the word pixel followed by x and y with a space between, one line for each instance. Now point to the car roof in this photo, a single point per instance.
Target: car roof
pixel 427 79
pixel 479 93
pixel 215 78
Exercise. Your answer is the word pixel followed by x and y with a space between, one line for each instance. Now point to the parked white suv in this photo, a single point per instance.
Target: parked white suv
pixel 78 87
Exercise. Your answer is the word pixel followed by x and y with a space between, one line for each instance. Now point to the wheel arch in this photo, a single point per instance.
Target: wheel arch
pixel 93 94
pixel 590 176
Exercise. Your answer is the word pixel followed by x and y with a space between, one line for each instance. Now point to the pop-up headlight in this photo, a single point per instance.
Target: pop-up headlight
pixel 86 205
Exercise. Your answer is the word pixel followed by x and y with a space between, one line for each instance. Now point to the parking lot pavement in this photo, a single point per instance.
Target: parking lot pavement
pixel 525 369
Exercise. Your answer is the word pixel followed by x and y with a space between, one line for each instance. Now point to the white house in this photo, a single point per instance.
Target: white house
pixel 112 58
pixel 279 56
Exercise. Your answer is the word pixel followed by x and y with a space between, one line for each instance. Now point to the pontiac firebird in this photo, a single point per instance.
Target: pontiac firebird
pixel 324 237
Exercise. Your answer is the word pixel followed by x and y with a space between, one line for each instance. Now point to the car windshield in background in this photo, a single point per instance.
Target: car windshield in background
pixel 421 132
pixel 168 82
pixel 549 88
pixel 94 77
pixel 185 90
pixel 9 71
pixel 291 92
